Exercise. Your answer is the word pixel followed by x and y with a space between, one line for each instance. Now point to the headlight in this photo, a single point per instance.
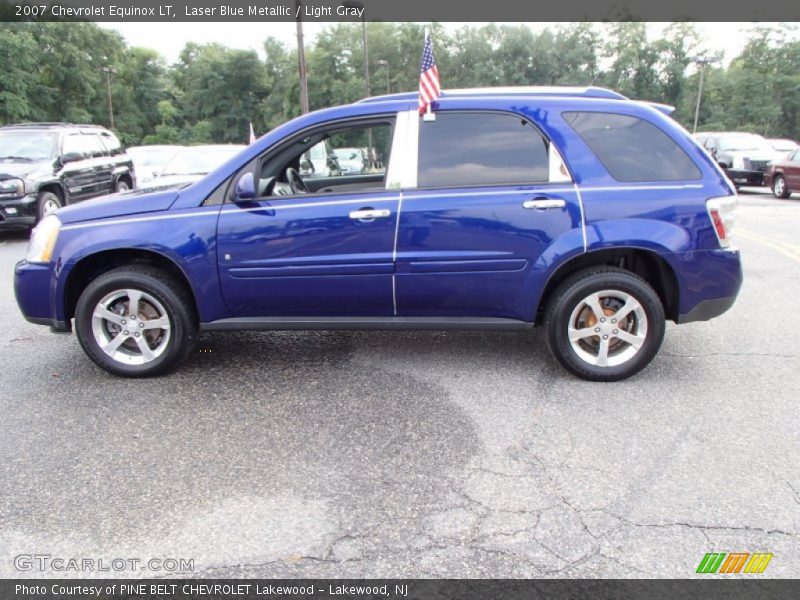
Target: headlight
pixel 12 186
pixel 43 240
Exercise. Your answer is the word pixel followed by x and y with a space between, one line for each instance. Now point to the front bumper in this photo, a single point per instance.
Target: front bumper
pixel 745 177
pixel 32 288
pixel 18 213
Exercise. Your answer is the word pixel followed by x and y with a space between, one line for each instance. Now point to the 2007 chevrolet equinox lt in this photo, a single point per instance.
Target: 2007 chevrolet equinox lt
pixel 593 215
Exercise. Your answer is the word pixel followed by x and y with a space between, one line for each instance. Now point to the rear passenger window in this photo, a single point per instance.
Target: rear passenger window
pixel 464 149
pixel 632 149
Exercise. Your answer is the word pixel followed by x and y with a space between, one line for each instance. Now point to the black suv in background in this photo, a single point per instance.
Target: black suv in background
pixel 44 166
pixel 745 157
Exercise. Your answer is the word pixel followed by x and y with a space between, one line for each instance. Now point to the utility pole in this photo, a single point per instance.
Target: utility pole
pixel 701 62
pixel 301 59
pixel 385 63
pixel 359 5
pixel 109 71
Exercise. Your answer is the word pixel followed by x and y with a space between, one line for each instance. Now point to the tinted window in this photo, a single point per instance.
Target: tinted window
pixel 632 149
pixel 480 149
pixel 93 145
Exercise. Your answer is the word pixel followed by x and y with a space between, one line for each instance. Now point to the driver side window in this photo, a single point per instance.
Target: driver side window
pixel 342 159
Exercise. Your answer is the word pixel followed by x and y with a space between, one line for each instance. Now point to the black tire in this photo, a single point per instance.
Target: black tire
pixel 178 305
pixel 122 185
pixel 46 202
pixel 569 295
pixel 785 193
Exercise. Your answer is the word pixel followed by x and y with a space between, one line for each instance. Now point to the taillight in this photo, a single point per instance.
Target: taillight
pixel 722 212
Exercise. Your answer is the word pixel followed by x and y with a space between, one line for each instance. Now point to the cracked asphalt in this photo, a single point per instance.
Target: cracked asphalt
pixel 418 454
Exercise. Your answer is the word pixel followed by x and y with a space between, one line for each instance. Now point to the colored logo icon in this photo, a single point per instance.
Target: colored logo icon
pixel 734 562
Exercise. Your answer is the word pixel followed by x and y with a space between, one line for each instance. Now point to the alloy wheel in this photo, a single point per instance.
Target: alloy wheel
pixel 607 328
pixel 131 326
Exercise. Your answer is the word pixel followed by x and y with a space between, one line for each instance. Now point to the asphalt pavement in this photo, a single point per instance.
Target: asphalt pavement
pixel 414 454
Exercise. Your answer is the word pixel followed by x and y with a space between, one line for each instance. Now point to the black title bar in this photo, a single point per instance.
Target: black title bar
pixel 398 10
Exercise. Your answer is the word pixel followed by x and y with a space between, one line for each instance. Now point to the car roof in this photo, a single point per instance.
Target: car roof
pixel 56 126
pixel 566 91
pixel 730 133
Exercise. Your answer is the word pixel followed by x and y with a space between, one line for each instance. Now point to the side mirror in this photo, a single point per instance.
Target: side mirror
pixel 245 188
pixel 71 157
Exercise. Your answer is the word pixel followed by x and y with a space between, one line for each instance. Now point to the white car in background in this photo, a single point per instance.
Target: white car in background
pixel 148 161
pixel 351 160
pixel 192 163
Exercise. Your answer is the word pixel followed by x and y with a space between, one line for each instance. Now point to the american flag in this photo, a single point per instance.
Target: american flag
pixel 429 87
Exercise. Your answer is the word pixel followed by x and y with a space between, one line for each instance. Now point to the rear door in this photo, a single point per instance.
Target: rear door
pixel 491 195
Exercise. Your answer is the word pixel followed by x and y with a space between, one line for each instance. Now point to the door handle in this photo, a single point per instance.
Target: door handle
pixel 544 203
pixel 369 213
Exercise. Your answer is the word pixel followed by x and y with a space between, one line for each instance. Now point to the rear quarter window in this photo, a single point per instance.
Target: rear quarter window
pixel 632 149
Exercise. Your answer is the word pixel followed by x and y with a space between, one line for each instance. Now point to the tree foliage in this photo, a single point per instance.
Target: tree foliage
pixel 53 72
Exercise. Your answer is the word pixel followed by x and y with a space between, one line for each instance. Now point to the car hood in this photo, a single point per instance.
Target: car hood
pixel 9 169
pixel 118 205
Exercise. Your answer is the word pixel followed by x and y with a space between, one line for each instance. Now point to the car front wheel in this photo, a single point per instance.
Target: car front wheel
pixel 136 322
pixel 779 188
pixel 46 203
pixel 604 324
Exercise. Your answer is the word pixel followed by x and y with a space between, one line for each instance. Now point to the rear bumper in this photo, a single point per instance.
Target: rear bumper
pixel 710 283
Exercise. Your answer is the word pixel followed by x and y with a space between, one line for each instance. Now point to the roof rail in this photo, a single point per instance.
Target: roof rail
pixel 40 124
pixel 585 92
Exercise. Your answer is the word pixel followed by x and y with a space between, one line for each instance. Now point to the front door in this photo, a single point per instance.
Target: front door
pixel 491 195
pixel 78 175
pixel 792 171
pixel 102 176
pixel 323 253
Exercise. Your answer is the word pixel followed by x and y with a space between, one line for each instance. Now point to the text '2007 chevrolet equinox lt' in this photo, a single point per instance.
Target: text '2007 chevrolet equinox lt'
pixel 575 208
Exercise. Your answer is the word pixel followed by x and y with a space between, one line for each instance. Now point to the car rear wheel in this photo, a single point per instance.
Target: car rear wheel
pixel 604 324
pixel 46 203
pixel 779 187
pixel 136 322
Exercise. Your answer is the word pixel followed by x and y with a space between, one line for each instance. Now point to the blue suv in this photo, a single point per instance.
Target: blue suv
pixel 596 216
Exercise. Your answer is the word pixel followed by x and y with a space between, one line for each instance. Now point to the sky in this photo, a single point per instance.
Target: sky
pixel 169 39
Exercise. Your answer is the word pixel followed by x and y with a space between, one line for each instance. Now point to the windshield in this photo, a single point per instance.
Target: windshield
pixel 784 145
pixel 151 157
pixel 28 145
pixel 744 142
pixel 347 153
pixel 199 161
